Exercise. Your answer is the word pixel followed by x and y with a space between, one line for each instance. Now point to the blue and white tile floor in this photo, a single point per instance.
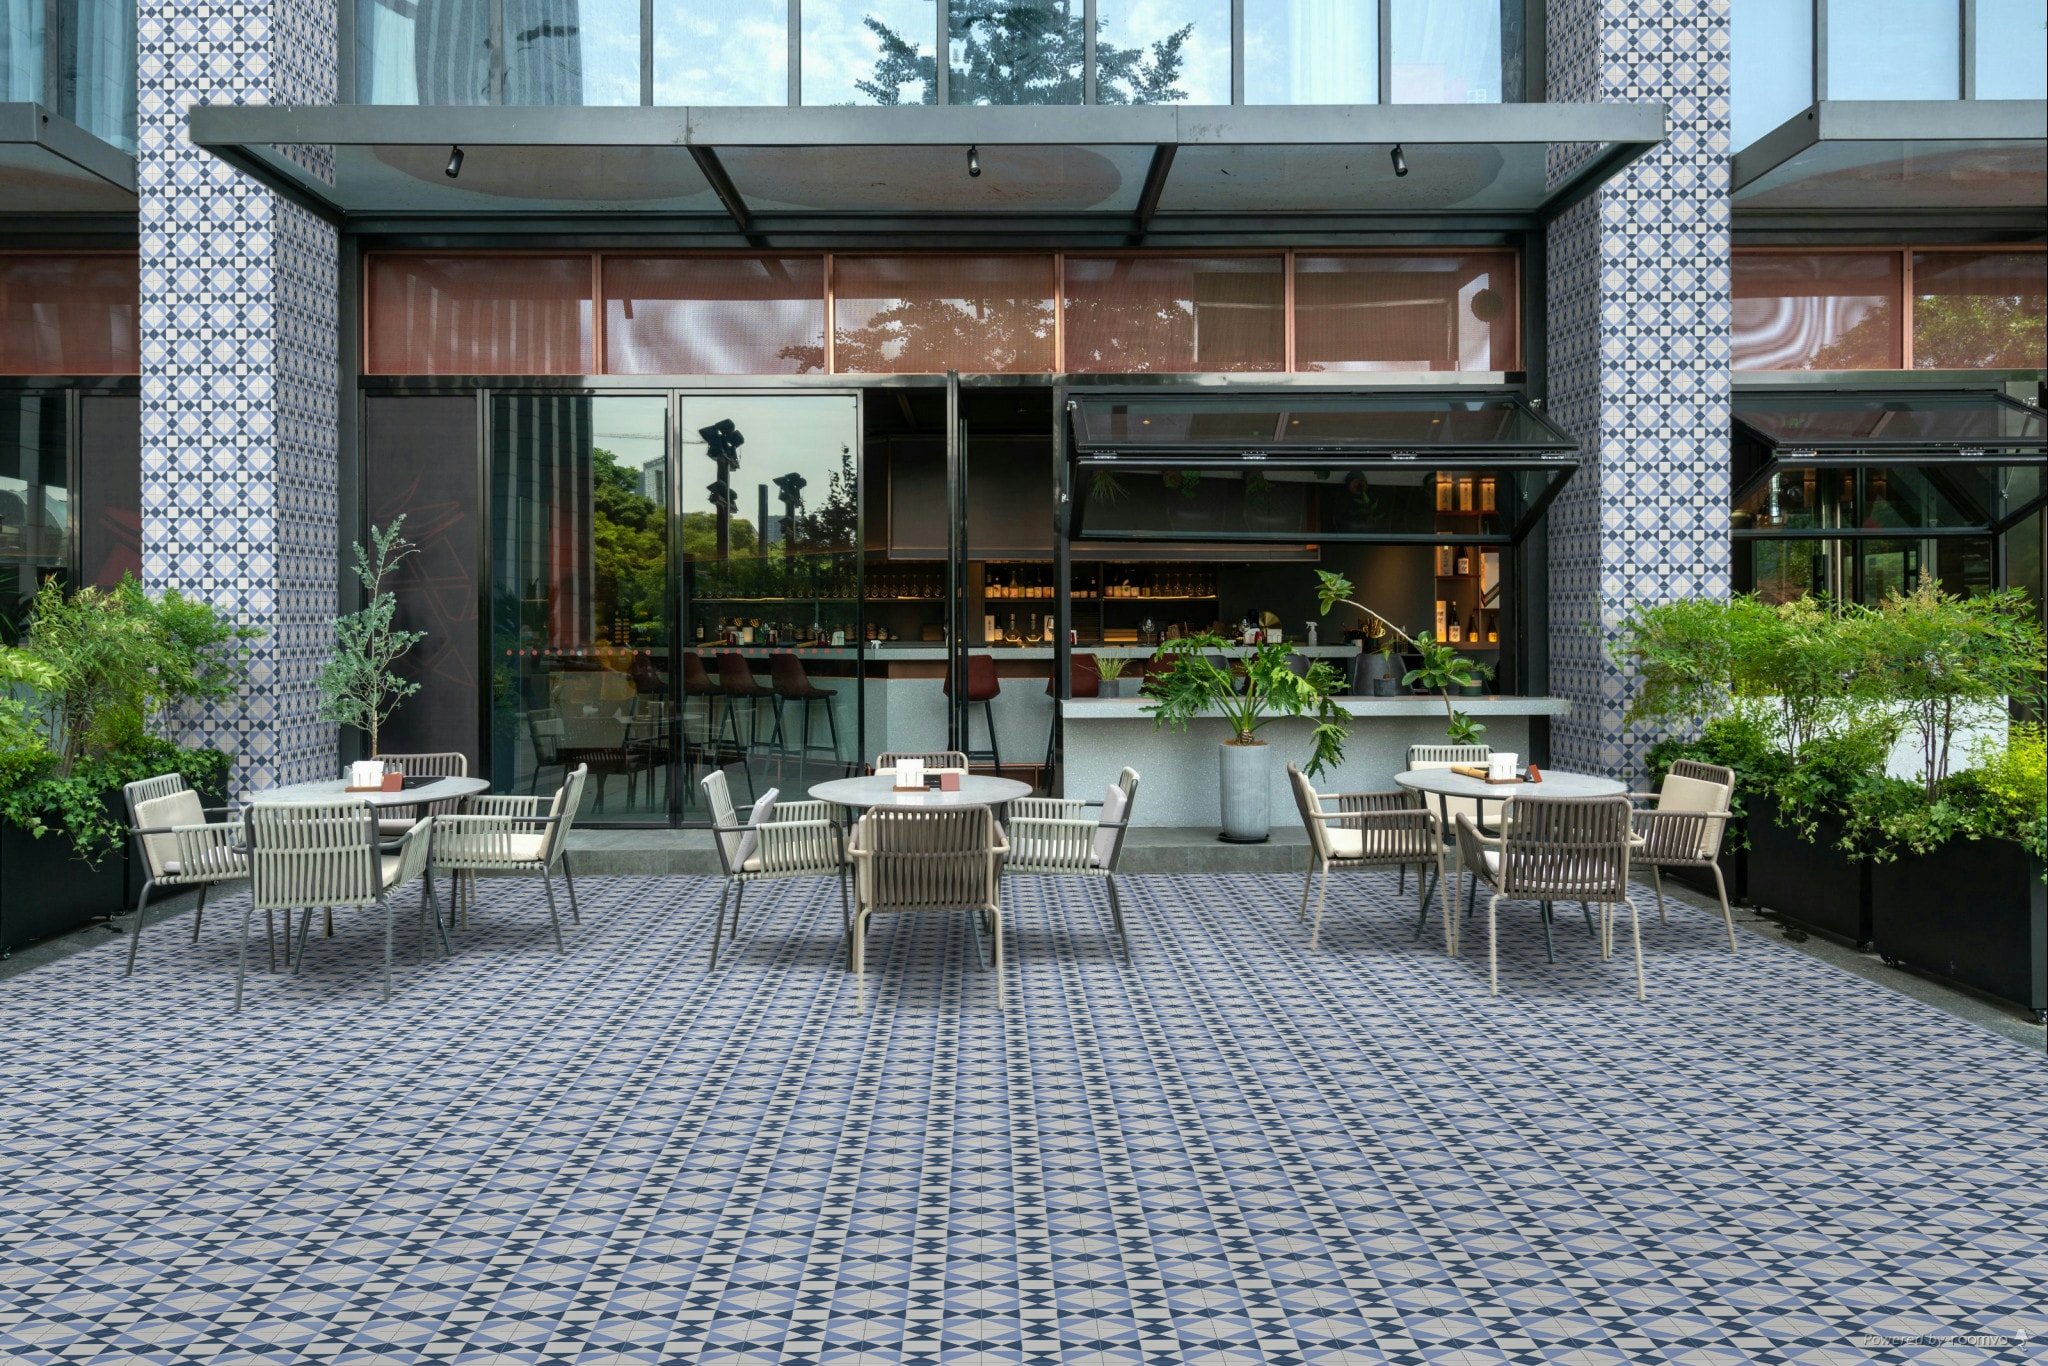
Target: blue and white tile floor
pixel 1228 1151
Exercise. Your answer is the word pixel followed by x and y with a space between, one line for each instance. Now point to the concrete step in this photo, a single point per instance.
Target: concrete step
pixel 1149 849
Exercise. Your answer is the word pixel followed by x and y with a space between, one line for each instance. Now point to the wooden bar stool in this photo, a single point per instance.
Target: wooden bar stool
pixel 982 687
pixel 791 684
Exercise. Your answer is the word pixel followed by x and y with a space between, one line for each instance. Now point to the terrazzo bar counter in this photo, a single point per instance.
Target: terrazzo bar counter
pixel 1179 768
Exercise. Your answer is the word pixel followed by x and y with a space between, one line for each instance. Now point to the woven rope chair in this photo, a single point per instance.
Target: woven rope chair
pixel 1554 849
pixel 935 761
pixel 1686 827
pixel 327 855
pixel 910 859
pixel 1054 837
pixel 1448 809
pixel 445 765
pixel 797 839
pixel 1370 830
pixel 511 836
pixel 178 847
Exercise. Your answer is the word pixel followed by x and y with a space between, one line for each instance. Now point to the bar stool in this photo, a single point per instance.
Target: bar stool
pixel 736 682
pixel 791 684
pixel 1082 681
pixel 697 682
pixel 982 687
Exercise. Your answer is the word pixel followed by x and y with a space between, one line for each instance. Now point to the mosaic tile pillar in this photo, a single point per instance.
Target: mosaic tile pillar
pixel 1639 357
pixel 239 371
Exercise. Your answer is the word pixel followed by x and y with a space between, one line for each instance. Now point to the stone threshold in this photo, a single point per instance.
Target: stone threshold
pixel 1149 849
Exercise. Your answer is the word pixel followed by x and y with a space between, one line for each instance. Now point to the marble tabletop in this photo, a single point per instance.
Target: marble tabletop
pixel 880 790
pixel 333 791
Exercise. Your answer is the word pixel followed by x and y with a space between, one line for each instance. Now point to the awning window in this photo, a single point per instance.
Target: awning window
pixel 1397 466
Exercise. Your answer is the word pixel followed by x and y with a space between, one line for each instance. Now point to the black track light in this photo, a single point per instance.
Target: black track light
pixel 454 167
pixel 1400 162
pixel 974 162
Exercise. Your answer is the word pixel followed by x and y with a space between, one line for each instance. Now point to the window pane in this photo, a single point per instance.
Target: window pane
pixel 1980 310
pixel 96 68
pixel 719 315
pixel 1014 51
pixel 1817 310
pixel 1422 312
pixel 423 54
pixel 1784 571
pixel 21 53
pixel 1449 52
pixel 110 489
pixel 722 52
pixel 1894 50
pixel 870 52
pixel 1771 65
pixel 1311 52
pixel 1156 52
pixel 579 600
pixel 2012 49
pixel 930 314
pixel 478 315
pixel 35 501
pixel 69 314
pixel 1167 313
pixel 572 52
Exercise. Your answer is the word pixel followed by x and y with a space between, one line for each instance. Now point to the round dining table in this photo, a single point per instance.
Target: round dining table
pixel 1443 784
pixel 333 791
pixel 880 790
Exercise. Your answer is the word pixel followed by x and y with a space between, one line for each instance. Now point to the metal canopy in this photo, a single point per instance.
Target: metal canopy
pixel 1893 155
pixel 1296 428
pixel 1117 173
pixel 49 165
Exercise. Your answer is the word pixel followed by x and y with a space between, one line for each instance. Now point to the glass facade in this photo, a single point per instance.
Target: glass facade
pixel 1894 50
pixel 69 313
pixel 2012 49
pixel 77 58
pixel 1980 310
pixel 1007 52
pixel 1770 65
pixel 35 499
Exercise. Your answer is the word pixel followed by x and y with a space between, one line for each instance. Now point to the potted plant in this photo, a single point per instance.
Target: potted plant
pixel 109 673
pixel 1193 677
pixel 1443 668
pixel 1109 677
pixel 360 686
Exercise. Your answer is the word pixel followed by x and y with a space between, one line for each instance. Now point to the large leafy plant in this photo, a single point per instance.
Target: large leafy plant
pixel 361 686
pixel 1196 676
pixel 1444 667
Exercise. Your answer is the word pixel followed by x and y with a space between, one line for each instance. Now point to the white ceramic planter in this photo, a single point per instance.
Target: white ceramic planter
pixel 1247 806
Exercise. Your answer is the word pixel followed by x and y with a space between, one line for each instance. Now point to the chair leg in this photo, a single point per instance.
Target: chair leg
pixel 1636 927
pixel 198 912
pixel 1116 914
pixel 242 959
pixel 135 930
pixel 718 922
pixel 1322 891
pixel 1587 911
pixel 1450 912
pixel 832 727
pixel 270 936
pixel 329 911
pixel 997 916
pixel 569 877
pixel 738 899
pixel 1422 890
pixel 305 932
pixel 1308 881
pixel 1657 881
pixel 554 920
pixel 1727 916
pixel 1549 947
pixel 434 898
pixel 995 751
pixel 1493 945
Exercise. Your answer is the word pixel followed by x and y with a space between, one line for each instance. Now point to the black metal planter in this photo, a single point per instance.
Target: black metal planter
pixel 47 889
pixel 1973 912
pixel 1811 884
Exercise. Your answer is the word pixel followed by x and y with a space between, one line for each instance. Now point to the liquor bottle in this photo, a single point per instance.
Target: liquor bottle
pixel 1465 565
pixel 1443 493
pixel 1493 635
pixel 1011 634
pixel 1486 495
pixel 1472 628
pixel 1457 632
pixel 1465 494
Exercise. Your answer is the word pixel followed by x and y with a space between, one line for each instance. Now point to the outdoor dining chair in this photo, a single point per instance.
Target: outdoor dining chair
pixel 329 855
pixel 1553 849
pixel 1371 830
pixel 510 836
pixel 780 840
pixel 934 761
pixel 1685 828
pixel 444 765
pixel 1449 808
pixel 910 859
pixel 178 847
pixel 1054 837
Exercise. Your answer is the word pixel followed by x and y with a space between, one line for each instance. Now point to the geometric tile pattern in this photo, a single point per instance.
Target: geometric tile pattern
pixel 1225 1150
pixel 239 370
pixel 1639 357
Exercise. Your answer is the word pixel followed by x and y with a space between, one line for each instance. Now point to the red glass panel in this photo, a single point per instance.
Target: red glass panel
pixel 1809 310
pixel 714 315
pixel 895 315
pixel 69 314
pixel 478 315
pixel 1175 313
pixel 1426 311
pixel 1980 310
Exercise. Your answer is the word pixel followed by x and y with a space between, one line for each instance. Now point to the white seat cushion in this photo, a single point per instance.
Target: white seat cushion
pixel 1491 858
pixel 1345 841
pixel 1113 805
pixel 764 811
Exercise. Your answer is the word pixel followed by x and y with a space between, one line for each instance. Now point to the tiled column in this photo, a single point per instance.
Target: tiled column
pixel 1639 357
pixel 238 370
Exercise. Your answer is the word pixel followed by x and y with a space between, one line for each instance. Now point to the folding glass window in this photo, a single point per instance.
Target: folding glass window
pixel 1311 52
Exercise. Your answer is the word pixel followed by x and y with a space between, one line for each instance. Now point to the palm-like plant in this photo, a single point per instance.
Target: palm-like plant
pixel 1188 681
pixel 1443 668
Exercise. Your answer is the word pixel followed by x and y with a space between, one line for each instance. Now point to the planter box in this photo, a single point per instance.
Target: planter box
pixel 1810 884
pixel 46 889
pixel 1973 912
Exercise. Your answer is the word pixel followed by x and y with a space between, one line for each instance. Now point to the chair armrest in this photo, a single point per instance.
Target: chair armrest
pixel 1052 844
pixel 806 811
pixel 1046 808
pixel 500 804
pixel 1688 836
pixel 414 847
pixel 1471 844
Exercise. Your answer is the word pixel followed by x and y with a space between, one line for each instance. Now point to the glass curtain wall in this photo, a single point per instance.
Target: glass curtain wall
pixel 83 68
pixel 35 499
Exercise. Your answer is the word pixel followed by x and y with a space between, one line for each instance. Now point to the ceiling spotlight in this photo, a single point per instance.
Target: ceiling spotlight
pixel 974 161
pixel 1400 162
pixel 454 167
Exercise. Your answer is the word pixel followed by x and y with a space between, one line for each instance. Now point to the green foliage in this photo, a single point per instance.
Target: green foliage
pixel 84 803
pixel 1444 666
pixel 360 686
pixel 1007 52
pixel 1111 666
pixel 1187 681
pixel 2001 795
pixel 629 544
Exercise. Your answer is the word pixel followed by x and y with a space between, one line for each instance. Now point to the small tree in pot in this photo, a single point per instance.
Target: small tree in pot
pixel 360 686
pixel 1193 677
